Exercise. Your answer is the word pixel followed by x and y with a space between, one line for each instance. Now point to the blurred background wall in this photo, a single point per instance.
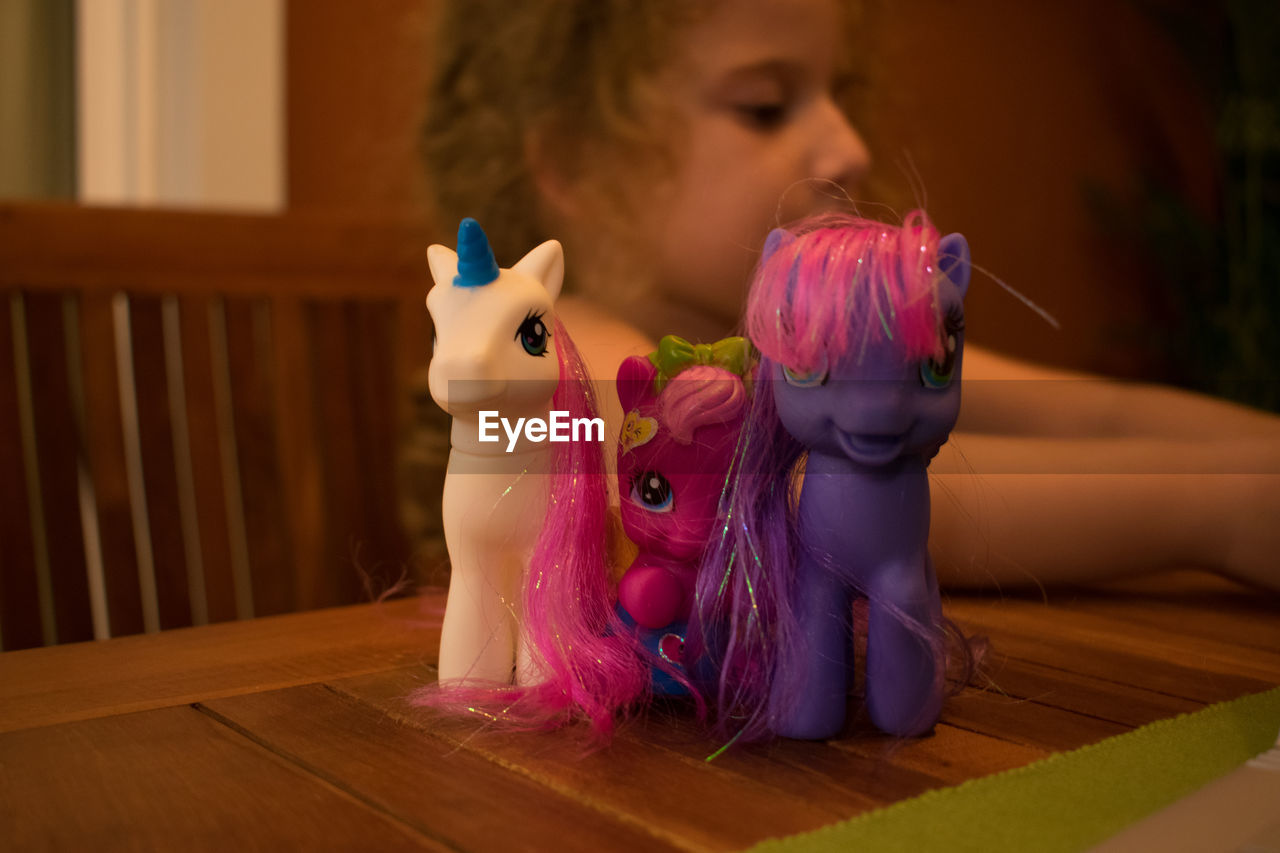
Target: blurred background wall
pixel 1116 162
pixel 37 99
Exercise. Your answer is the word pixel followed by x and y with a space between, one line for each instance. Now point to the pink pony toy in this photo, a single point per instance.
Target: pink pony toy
pixel 524 517
pixel 684 406
pixel 860 327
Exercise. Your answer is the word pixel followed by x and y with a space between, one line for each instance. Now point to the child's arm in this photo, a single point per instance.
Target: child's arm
pixel 1055 476
pixel 1010 397
pixel 1013 510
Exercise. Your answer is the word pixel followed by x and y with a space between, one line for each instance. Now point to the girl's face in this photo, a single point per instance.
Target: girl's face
pixel 754 94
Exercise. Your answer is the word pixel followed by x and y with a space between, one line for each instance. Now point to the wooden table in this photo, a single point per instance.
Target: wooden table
pixel 293 731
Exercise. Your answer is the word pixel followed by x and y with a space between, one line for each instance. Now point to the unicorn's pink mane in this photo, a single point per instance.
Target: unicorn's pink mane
pixel 592 663
pixel 841 279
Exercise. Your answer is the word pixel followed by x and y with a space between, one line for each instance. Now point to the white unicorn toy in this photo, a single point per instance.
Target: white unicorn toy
pixel 524 518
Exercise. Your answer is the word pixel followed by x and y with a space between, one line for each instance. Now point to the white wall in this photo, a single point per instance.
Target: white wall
pixel 181 102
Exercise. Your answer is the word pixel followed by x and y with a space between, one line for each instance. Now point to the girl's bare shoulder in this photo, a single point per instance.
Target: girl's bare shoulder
pixel 603 338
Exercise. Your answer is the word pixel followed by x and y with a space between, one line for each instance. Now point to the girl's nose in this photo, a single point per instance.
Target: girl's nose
pixel 839 153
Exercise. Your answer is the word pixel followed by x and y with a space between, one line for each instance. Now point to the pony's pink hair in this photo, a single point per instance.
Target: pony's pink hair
pixel 591 664
pixel 700 395
pixel 838 279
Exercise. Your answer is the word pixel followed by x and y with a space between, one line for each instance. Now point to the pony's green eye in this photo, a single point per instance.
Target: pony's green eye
pixel 533 335
pixel 937 374
pixel 800 379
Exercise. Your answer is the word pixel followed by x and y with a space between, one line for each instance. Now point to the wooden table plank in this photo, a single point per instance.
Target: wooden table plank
pixel 1025 722
pixel 1184 603
pixel 450 794
pixel 799 768
pixel 1122 634
pixel 174 779
pixel 1106 700
pixel 75 682
pixel 1037 643
pixel 685 800
pixel 321 697
pixel 951 754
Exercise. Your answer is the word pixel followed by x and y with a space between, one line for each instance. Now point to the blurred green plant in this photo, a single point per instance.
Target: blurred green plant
pixel 1221 275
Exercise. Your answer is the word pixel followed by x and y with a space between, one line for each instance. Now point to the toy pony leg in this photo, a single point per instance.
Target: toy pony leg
pixel 477 639
pixel 904 677
pixel 810 688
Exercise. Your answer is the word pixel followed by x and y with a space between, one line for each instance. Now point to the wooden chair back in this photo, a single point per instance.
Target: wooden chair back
pixel 199 415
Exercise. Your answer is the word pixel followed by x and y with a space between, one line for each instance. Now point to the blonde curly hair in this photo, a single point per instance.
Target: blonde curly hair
pixel 572 83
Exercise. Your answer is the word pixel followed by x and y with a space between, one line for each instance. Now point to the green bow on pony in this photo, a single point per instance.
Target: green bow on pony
pixel 674 354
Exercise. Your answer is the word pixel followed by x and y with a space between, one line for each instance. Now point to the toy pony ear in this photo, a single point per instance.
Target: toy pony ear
pixel 777 238
pixel 635 379
pixel 545 262
pixel 953 260
pixel 443 262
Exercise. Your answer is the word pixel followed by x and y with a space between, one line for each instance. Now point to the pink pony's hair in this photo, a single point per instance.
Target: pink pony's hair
pixel 591 664
pixel 700 395
pixel 839 279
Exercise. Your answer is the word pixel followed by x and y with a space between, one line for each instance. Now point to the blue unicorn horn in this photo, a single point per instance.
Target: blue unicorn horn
pixel 476 266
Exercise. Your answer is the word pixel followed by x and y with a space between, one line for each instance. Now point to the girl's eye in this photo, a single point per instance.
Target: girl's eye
pixel 801 379
pixel 533 335
pixel 652 491
pixel 937 374
pixel 763 116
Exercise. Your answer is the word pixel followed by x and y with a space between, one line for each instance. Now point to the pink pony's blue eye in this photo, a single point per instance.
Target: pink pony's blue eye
pixel 937 374
pixel 652 491
pixel 799 379
pixel 533 335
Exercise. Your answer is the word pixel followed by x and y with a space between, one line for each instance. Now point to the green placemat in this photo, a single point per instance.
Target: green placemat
pixel 1067 801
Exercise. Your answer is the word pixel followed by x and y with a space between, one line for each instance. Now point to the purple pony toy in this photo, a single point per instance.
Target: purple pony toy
pixel 860 326
pixel 684 406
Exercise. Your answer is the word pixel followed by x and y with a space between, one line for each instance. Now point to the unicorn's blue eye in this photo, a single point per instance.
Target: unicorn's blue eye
pixel 937 374
pixel 799 379
pixel 652 491
pixel 533 335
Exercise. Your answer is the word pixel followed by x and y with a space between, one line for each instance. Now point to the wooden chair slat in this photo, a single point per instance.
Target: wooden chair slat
pixel 183 466
pixel 126 386
pixel 156 450
pixel 229 454
pixel 419 485
pixel 334 379
pixel 195 318
pixel 381 541
pixel 266 533
pixel 31 470
pixel 60 452
pixel 19 598
pixel 297 445
pixel 107 469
